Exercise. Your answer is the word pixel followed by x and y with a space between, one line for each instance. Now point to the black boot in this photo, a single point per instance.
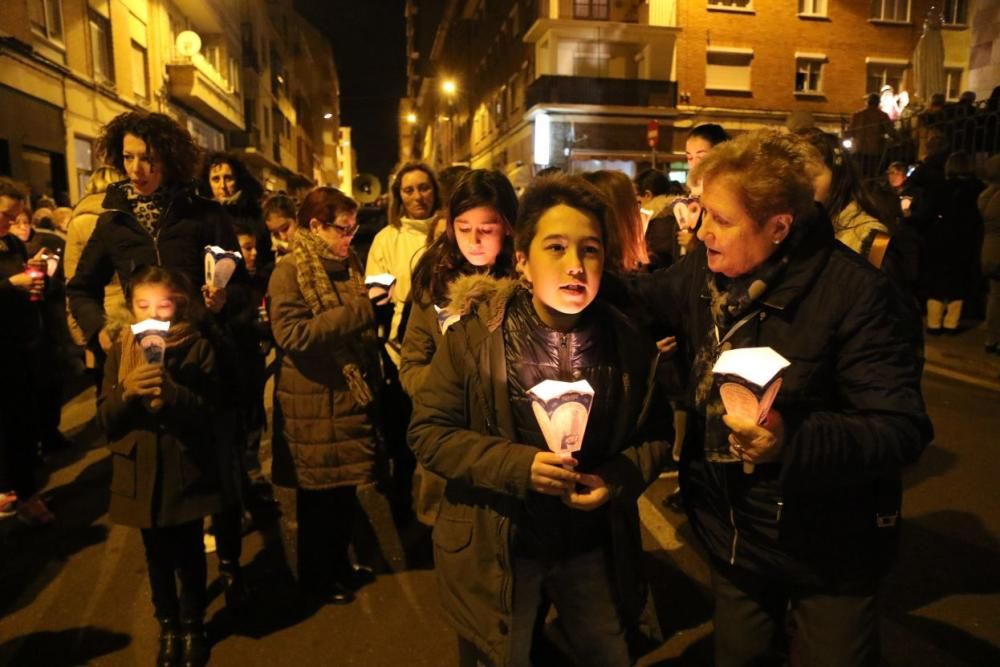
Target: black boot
pixel 234 587
pixel 170 643
pixel 195 644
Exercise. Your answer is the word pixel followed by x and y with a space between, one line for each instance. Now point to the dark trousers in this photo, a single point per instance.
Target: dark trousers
pixel 228 528
pixel 19 430
pixel 326 525
pixel 172 553
pixel 581 591
pixel 830 630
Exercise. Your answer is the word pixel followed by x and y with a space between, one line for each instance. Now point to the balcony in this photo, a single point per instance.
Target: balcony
pixel 598 91
pixel 196 90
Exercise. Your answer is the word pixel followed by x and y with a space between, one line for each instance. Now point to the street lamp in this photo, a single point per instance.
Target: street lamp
pixel 448 87
pixel 328 115
pixel 411 118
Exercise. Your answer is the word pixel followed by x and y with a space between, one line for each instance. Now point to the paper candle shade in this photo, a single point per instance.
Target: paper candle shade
pixel 52 263
pixel 383 280
pixel 445 319
pixel 152 338
pixel 686 212
pixel 749 380
pixel 562 410
pixel 220 265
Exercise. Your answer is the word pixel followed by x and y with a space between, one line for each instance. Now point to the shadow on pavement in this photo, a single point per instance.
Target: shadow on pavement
pixel 935 563
pixel 64 648
pixel 936 461
pixel 34 556
pixel 698 654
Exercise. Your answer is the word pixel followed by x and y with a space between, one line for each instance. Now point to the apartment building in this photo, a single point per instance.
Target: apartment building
pixel 69 66
pixel 291 99
pixel 585 84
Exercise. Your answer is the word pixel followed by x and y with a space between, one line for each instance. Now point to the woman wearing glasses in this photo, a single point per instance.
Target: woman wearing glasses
pixel 327 387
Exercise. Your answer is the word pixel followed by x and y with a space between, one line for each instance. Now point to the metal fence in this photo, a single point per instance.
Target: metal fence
pixel 974 129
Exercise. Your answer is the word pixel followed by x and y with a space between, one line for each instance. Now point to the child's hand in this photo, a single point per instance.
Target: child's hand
pixel 595 495
pixel 142 381
pixel 548 475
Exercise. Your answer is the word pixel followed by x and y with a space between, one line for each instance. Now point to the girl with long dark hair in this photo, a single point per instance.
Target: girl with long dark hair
pixel 478 240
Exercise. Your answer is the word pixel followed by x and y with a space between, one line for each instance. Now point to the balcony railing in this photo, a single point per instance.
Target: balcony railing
pixel 192 87
pixel 553 89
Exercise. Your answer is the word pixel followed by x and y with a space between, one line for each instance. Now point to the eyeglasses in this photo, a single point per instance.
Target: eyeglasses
pixel 341 229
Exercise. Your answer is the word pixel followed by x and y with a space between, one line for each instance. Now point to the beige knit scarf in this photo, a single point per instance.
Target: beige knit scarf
pixel 320 295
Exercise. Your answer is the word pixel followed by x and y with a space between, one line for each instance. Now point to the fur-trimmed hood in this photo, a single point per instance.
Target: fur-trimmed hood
pixel 483 293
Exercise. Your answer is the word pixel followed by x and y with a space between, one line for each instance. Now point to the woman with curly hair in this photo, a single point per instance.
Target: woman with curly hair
pixel 153 218
pixel 156 218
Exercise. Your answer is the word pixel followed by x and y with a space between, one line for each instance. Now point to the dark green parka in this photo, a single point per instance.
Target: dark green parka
pixel 463 430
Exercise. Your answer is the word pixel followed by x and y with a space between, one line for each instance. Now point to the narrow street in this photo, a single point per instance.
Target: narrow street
pixel 77 594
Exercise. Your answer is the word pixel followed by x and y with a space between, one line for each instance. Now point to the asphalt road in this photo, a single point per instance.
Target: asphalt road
pixel 76 593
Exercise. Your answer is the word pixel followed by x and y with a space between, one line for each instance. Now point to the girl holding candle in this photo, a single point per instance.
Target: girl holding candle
pixel 164 465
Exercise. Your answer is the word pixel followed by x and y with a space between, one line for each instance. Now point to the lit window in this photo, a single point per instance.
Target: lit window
pixel 591 58
pixel 890 10
pixel 884 74
pixel 728 69
pixel 809 74
pixel 83 149
pixel 953 83
pixel 46 18
pixel 100 47
pixel 590 9
pixel 956 12
pixel 140 71
pixel 743 5
pixel 812 7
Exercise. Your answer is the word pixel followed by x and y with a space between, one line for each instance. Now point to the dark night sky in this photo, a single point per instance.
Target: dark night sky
pixel 369 48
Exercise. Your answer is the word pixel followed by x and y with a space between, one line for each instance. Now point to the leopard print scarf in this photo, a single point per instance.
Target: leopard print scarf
pixel 147 209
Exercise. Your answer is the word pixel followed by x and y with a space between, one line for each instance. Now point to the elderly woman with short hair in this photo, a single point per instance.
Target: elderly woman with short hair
pixel 812 527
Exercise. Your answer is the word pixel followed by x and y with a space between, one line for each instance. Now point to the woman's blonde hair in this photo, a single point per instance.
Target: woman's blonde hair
pixel 773 172
pixel 101 179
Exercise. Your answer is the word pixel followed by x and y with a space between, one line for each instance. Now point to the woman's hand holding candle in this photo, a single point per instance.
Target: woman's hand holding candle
pixel 756 443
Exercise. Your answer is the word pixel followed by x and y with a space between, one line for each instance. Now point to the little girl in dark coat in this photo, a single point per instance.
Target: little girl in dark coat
pixel 164 478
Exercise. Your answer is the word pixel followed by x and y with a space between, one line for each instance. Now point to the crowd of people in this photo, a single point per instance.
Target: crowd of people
pixel 418 371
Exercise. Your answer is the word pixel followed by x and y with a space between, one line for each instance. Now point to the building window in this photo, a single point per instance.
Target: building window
pixel 728 69
pixel 100 47
pixel 140 71
pixel 589 58
pixel 83 150
pixel 884 74
pixel 952 83
pixel 738 5
pixel 809 74
pixel 956 12
pixel 46 18
pixel 890 10
pixel 812 7
pixel 590 9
